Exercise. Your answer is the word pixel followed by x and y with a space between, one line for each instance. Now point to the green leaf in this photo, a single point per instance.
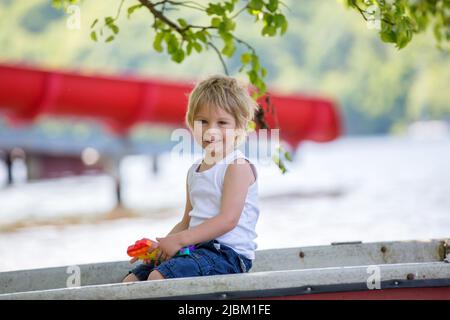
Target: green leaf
pixel 172 43
pixel 57 4
pixel 267 18
pixel 279 163
pixel 437 32
pixel 246 58
pixel 229 49
pixel 201 35
pixel 251 126
pixel 197 47
pixel 276 159
pixel 388 36
pixel 189 48
pixel 215 22
pixel 229 6
pixel 288 157
pixel 114 28
pixel 404 33
pixel 108 20
pixel 269 30
pixel 261 86
pixel 94 23
pixel 132 9
pixel 178 56
pixel 182 23
pixel 94 36
pixel 216 9
pixel 252 76
pixel 255 62
pixel 228 24
pixel 109 39
pixel 272 5
pixel 226 36
pixel 279 20
pixel 158 24
pixel 263 72
pixel 256 4
pixel 157 42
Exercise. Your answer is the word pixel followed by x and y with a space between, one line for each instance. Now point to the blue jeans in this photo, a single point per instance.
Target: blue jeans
pixel 209 258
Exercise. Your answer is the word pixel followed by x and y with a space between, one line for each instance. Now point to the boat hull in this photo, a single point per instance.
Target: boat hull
pixel 416 270
pixel 442 293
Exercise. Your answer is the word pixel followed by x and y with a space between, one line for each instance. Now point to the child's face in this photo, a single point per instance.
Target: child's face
pixel 214 129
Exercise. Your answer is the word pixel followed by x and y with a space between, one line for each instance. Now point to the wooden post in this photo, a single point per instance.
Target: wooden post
pixel 155 164
pixel 112 167
pixel 114 171
pixel 6 156
pixel 118 183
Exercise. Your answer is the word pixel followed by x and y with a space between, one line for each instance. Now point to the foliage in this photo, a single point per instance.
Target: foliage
pixel 399 20
pixel 180 38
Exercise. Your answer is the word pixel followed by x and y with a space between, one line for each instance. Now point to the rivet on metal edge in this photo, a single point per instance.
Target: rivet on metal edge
pixel 383 249
pixel 301 254
pixel 223 296
pixel 410 276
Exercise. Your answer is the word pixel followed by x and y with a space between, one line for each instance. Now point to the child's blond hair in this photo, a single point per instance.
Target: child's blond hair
pixel 227 93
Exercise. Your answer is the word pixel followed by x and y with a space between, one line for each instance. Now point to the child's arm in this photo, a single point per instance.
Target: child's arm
pixel 184 223
pixel 238 178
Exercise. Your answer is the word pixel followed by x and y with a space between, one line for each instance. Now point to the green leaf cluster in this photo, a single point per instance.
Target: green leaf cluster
pixel 401 19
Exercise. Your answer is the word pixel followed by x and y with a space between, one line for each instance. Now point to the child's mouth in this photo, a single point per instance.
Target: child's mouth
pixel 209 142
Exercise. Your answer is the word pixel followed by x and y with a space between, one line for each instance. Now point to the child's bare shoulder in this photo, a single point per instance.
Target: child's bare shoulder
pixel 240 170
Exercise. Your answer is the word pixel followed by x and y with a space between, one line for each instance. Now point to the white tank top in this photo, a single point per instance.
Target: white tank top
pixel 205 192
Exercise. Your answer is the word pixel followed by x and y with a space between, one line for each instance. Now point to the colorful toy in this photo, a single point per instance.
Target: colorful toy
pixel 140 250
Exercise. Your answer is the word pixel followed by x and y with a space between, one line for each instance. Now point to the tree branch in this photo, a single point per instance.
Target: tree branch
pixel 244 43
pixel 158 14
pixel 220 57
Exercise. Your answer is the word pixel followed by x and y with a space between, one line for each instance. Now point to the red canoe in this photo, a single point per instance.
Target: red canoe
pixel 122 101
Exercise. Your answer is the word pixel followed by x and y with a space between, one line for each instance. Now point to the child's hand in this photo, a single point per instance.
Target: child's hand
pixel 154 246
pixel 133 260
pixel 146 261
pixel 168 247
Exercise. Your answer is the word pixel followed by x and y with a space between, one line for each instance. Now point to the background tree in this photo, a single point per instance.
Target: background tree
pixel 397 22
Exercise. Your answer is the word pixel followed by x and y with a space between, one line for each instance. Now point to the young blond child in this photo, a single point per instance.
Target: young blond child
pixel 221 209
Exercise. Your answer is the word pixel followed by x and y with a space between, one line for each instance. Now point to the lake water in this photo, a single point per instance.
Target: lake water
pixel 368 189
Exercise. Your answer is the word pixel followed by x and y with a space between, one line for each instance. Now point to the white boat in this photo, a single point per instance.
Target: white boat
pixel 381 270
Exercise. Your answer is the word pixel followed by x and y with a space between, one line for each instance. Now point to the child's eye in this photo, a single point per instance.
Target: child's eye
pixel 223 122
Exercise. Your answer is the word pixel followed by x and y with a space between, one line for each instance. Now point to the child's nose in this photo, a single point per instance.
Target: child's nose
pixel 212 135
